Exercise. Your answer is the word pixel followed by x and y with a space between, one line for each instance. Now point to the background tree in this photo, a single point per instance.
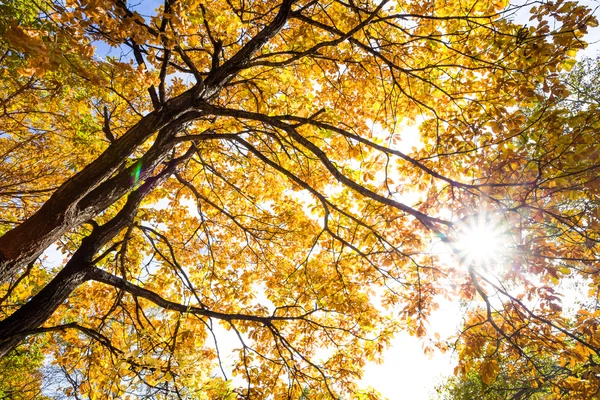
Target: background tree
pixel 510 383
pixel 242 165
pixel 22 376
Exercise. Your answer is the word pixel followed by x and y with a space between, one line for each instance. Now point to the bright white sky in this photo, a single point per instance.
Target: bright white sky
pixel 407 373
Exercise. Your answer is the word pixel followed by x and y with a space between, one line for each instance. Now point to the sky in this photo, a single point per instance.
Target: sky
pixel 407 373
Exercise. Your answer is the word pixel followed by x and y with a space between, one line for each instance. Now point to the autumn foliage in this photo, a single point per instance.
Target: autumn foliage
pixel 278 172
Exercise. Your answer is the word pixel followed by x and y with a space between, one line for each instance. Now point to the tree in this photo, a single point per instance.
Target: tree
pixel 506 386
pixel 241 165
pixel 22 373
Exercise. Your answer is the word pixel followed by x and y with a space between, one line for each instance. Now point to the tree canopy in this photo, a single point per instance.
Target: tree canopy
pixel 285 171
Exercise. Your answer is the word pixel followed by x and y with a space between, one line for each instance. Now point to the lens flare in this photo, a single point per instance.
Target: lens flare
pixel 136 172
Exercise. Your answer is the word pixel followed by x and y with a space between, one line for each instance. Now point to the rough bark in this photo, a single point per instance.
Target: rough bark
pixel 24 243
pixel 37 310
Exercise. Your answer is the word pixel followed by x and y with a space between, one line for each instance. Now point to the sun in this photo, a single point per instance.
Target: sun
pixel 482 241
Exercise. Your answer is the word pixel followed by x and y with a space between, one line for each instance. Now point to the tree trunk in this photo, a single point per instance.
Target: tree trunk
pixel 37 310
pixel 24 243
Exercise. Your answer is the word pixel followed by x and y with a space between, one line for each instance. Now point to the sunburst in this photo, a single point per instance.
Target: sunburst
pixel 482 241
